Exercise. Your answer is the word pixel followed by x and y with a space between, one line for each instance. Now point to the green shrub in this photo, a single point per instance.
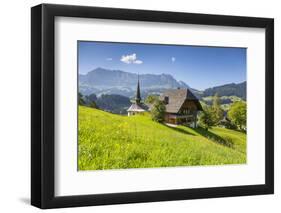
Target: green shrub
pixel 158 111
pixel 238 114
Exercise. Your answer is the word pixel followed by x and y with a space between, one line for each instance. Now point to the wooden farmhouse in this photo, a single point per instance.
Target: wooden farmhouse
pixel 181 107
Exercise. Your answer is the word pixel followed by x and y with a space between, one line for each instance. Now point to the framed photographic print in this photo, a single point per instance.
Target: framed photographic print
pixel 140 106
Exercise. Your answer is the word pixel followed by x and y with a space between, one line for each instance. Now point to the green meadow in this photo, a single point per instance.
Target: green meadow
pixel 110 141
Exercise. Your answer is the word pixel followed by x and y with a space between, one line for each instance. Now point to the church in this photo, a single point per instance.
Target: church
pixel 137 107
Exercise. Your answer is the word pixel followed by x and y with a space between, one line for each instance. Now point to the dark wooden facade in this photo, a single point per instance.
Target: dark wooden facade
pixel 181 107
pixel 186 115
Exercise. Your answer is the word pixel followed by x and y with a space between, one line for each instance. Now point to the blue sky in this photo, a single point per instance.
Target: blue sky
pixel 199 67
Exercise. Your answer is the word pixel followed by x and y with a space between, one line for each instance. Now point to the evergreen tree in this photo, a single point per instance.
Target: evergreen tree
pixel 206 118
pixel 80 99
pixel 217 110
pixel 93 105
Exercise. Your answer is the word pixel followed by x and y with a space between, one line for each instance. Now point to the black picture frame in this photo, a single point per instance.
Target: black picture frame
pixel 43 110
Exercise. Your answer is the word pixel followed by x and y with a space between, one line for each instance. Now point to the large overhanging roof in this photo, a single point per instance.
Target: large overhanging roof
pixel 176 99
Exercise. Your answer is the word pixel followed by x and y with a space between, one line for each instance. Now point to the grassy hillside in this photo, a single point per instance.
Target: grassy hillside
pixel 109 141
pixel 226 101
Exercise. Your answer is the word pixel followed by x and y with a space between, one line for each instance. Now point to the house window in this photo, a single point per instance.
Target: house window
pixel 166 99
pixel 186 111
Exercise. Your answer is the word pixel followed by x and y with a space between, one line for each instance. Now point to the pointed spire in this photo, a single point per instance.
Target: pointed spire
pixel 138 96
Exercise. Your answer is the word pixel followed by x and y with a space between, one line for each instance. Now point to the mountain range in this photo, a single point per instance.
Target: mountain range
pixel 104 81
pixel 232 89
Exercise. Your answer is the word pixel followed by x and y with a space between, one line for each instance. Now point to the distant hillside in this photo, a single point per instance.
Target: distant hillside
pixel 104 81
pixel 114 103
pixel 225 101
pixel 238 90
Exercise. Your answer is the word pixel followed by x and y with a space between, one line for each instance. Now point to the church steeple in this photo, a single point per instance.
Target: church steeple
pixel 137 107
pixel 138 96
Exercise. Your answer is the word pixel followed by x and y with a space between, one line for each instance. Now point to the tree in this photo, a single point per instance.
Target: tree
pixel 80 99
pixel 158 111
pixel 217 110
pixel 150 99
pixel 238 114
pixel 206 118
pixel 91 100
pixel 92 97
pixel 93 105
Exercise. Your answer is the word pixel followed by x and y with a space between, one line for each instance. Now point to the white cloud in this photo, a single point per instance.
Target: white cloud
pixel 173 59
pixel 109 59
pixel 137 62
pixel 131 59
